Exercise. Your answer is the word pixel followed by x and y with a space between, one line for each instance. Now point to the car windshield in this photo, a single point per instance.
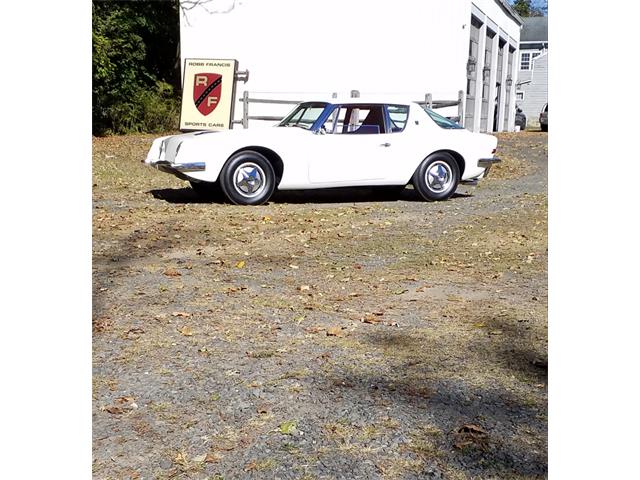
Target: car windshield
pixel 304 115
pixel 443 122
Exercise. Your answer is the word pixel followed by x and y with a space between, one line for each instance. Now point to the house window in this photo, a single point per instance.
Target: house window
pixel 526 59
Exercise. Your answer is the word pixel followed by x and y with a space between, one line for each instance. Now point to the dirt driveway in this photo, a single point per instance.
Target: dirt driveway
pixel 322 336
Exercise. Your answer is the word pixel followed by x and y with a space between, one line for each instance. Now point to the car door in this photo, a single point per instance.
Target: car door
pixel 397 149
pixel 350 147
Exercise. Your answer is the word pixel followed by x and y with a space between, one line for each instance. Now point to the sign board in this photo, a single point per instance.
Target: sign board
pixel 208 94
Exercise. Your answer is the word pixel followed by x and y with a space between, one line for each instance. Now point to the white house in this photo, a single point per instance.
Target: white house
pixel 532 87
pixel 294 49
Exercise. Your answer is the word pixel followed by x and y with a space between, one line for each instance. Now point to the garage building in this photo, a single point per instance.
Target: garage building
pixel 405 50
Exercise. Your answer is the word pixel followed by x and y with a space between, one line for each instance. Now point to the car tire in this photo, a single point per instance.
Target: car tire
pixel 544 128
pixel 248 178
pixel 437 177
pixel 206 190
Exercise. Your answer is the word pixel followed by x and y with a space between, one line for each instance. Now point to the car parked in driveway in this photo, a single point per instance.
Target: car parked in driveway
pixel 544 123
pixel 521 119
pixel 331 143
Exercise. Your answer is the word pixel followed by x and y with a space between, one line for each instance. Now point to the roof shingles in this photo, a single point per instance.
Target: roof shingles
pixel 535 29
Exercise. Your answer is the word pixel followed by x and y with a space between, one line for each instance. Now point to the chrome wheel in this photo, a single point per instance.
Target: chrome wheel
pixel 439 177
pixel 249 180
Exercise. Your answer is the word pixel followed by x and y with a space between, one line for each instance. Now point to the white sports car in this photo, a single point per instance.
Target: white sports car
pixel 325 144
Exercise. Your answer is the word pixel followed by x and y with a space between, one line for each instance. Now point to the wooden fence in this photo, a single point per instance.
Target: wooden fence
pixel 246 100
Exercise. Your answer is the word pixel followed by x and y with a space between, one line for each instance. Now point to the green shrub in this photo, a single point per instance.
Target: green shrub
pixel 148 110
pixel 136 75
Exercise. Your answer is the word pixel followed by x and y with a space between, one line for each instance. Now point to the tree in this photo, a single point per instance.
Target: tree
pixel 136 74
pixel 530 8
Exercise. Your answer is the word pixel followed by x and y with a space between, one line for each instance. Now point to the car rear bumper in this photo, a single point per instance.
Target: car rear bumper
pixel 487 163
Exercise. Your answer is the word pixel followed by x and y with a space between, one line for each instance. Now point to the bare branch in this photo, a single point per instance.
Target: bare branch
pixel 188 5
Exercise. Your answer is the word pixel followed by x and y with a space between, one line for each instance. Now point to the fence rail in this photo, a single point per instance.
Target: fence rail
pixel 246 100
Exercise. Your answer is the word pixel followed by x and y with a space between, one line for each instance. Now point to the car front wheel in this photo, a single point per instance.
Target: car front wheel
pixel 248 179
pixel 437 177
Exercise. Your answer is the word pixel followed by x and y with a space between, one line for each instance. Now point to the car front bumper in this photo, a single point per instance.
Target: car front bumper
pixel 177 169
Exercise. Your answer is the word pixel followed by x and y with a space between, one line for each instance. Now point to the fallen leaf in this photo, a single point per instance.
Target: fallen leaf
pixel 114 410
pixel 172 272
pixel 200 458
pixel 102 323
pixel 314 329
pixel 134 333
pixel 241 264
pixel 264 408
pixel 471 435
pixel 288 427
pixel 495 332
pixel 334 331
pixel 181 314
pixel 186 331
pixel 304 288
pixel 371 318
pixel 181 459
pixel 212 458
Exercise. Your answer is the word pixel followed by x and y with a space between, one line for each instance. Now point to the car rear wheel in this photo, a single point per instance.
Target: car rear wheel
pixel 248 179
pixel 544 128
pixel 437 177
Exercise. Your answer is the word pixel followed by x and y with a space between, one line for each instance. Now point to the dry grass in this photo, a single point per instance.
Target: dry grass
pixel 426 308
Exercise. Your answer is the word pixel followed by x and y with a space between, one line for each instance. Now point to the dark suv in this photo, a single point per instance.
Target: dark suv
pixel 544 123
pixel 521 119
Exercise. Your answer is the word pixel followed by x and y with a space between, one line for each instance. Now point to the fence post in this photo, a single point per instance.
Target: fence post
pixel 245 109
pixel 461 107
pixel 428 100
pixel 355 94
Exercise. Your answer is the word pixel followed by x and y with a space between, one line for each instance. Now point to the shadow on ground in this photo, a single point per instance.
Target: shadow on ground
pixel 441 401
pixel 323 196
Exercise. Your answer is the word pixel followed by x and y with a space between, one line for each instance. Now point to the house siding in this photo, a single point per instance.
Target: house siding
pixel 536 92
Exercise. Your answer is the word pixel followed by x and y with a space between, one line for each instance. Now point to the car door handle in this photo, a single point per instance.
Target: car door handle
pixel 386 144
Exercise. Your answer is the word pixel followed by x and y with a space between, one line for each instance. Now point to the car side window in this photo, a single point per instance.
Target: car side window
pixel 398 115
pixel 335 121
pixel 356 119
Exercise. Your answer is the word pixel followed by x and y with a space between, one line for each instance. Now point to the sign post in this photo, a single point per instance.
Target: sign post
pixel 208 94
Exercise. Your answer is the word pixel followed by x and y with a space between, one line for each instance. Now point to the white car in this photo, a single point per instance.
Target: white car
pixel 325 144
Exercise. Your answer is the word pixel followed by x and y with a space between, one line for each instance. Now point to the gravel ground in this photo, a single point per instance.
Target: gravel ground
pixel 326 335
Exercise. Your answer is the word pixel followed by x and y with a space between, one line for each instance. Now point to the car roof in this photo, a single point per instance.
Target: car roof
pixel 367 100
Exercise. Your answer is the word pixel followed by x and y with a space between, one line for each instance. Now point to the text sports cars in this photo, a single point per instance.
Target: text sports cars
pixel 326 144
